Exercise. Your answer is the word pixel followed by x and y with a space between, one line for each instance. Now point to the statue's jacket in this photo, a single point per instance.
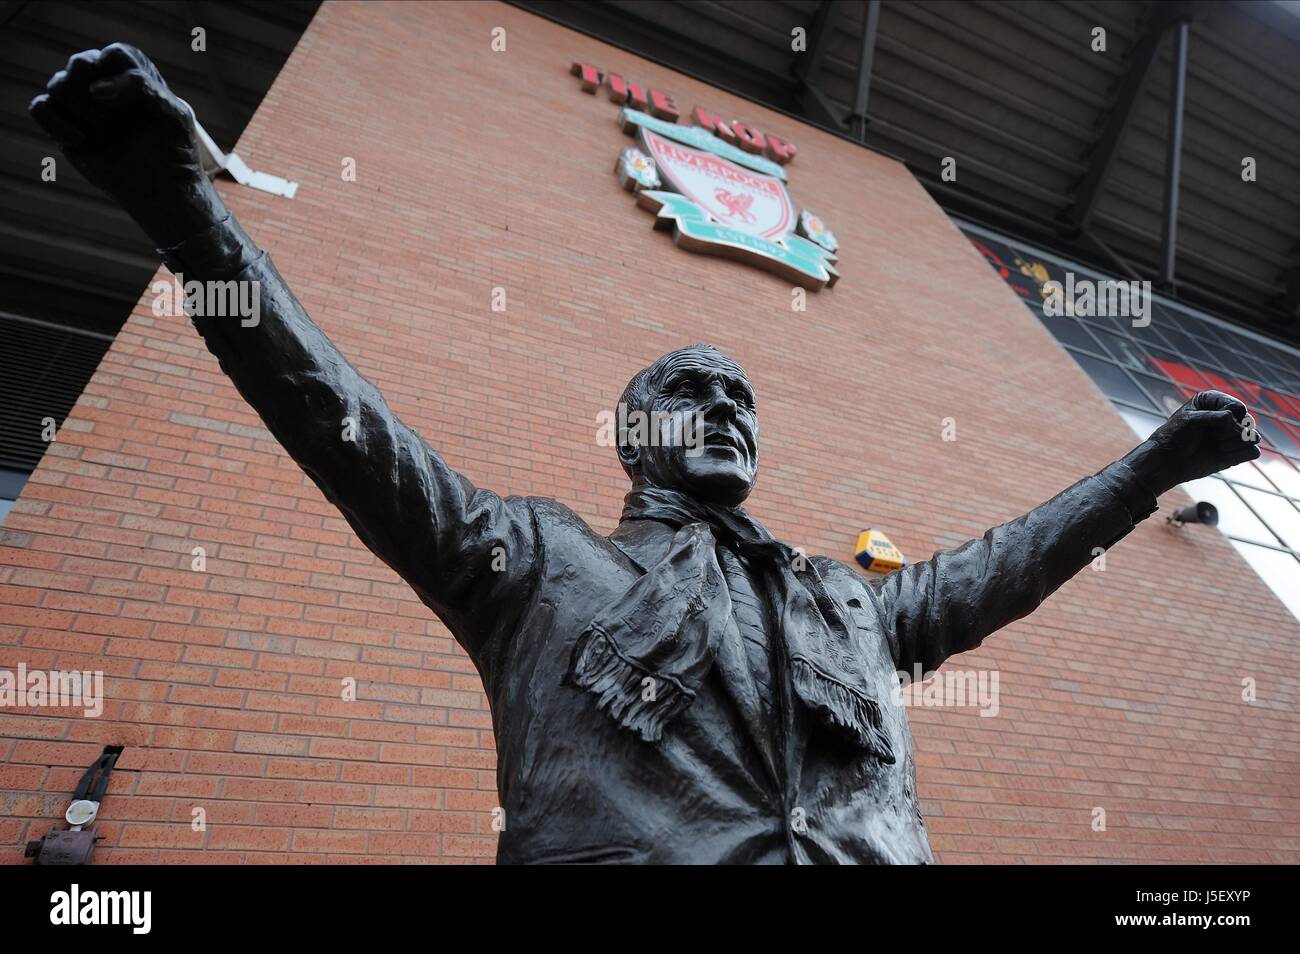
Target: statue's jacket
pixel 516 580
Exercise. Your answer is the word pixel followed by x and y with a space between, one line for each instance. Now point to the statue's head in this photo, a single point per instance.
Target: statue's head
pixel 703 426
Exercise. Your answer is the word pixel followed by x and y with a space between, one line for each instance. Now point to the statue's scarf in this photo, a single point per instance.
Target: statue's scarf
pixel 645 656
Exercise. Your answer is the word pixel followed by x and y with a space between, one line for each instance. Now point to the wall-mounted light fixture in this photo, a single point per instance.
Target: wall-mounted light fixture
pixel 1202 512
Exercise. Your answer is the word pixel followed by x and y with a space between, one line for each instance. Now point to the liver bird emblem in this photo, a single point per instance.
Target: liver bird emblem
pixel 737 204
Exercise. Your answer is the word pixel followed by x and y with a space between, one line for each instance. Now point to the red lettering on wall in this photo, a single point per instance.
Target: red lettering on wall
pixel 621 91
pixel 713 123
pixel 590 76
pixel 779 150
pixel 747 137
pixel 662 106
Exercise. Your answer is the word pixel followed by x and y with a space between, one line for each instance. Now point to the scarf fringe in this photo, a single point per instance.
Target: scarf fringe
pixel 618 685
pixel 843 708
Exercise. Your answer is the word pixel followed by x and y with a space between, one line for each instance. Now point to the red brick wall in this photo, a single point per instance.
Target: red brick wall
pixel 478 169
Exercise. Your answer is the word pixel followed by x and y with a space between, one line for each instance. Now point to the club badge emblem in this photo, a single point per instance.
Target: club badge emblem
pixel 717 199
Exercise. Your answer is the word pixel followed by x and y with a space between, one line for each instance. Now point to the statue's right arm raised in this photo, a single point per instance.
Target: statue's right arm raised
pixel 467 553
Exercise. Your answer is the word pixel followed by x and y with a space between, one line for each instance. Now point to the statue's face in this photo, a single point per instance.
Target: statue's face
pixel 717 458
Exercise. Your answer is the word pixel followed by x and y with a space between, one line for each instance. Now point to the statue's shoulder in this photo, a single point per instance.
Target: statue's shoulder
pixel 844 579
pixel 569 544
pixel 557 523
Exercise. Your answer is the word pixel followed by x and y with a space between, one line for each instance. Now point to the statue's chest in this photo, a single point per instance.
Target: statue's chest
pixel 750 656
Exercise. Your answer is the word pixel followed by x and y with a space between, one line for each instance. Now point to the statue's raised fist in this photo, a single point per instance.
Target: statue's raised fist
pixel 117 122
pixel 1211 432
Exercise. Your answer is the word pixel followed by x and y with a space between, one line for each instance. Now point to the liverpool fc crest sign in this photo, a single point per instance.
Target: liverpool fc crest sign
pixel 731 195
pixel 720 200
pixel 718 188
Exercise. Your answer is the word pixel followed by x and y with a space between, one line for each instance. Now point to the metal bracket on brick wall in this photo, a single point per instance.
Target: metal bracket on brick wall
pixel 214 161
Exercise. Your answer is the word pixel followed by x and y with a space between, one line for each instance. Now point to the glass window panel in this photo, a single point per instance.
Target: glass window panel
pixel 1239 342
pixel 1114 346
pixel 1287 380
pixel 1280 571
pixel 1149 335
pixel 1282 518
pixel 1235 518
pixel 1216 378
pixel 1187 346
pixel 1212 333
pixel 1167 396
pixel 1274 399
pixel 1247 474
pixel 1269 374
pixel 1281 356
pixel 1278 378
pixel 1281 471
pixel 1290 383
pixel 1238 364
pixel 1142 424
pixel 1171 318
pixel 1116 324
pixel 1178 368
pixel 1113 381
pixel 1277 434
pixel 1231 345
pixel 1070 332
pixel 1207 339
pixel 1283 405
pixel 1208 368
pixel 1126 352
pixel 1251 347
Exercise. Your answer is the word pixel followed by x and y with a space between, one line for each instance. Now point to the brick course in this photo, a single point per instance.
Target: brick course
pixel 478 169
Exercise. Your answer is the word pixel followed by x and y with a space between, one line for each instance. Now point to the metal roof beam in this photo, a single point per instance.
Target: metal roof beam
pixel 1102 154
pixel 821 110
pixel 1119 261
pixel 1173 164
pixel 819 40
pixel 866 57
pixel 815 104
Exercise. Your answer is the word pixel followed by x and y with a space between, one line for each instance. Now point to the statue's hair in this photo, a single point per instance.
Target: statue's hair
pixel 640 392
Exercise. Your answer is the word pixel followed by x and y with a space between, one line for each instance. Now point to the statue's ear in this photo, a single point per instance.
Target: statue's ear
pixel 629 455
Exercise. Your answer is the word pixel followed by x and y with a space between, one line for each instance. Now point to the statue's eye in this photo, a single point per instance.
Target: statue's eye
pixel 685 386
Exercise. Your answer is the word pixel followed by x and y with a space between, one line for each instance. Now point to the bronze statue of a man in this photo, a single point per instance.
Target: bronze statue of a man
pixel 687 689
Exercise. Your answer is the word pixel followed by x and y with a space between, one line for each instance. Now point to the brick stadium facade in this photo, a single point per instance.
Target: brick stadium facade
pixel 478 170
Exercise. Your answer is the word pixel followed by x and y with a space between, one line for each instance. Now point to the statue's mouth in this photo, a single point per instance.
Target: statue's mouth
pixel 727 440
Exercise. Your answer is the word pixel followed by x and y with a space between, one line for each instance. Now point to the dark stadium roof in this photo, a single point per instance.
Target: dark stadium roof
pixel 1054 142
pixel 70 256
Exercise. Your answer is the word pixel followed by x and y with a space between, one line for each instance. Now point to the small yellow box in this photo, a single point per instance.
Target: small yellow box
pixel 876 553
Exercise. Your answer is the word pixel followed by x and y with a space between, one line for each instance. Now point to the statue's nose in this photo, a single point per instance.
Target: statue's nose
pixel 718 403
